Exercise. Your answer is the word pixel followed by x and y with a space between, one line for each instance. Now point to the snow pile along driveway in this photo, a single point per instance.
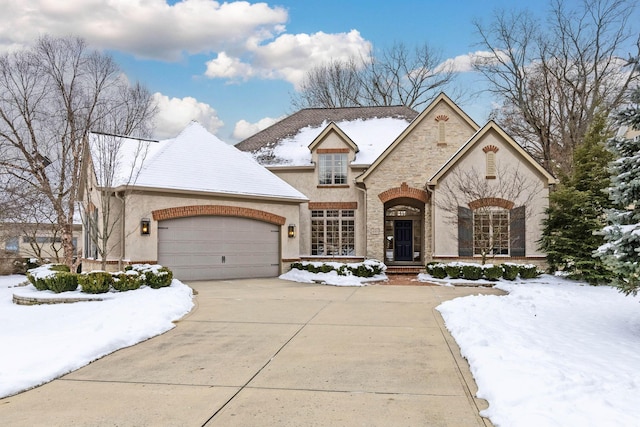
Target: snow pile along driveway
pixel 43 342
pixel 552 353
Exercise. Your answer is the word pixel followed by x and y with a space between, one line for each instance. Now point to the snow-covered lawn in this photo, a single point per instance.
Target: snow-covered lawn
pixel 42 342
pixel 552 353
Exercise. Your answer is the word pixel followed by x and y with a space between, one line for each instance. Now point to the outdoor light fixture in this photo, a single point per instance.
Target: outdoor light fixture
pixel 291 230
pixel 145 226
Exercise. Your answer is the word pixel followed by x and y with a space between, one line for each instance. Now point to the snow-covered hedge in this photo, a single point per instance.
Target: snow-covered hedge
pixel 57 278
pixel 368 268
pixel 471 271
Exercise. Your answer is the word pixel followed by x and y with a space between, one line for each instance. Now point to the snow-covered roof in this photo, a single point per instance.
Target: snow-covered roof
pixel 286 143
pixel 197 161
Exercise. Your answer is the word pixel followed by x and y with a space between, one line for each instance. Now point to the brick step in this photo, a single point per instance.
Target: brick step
pixel 409 269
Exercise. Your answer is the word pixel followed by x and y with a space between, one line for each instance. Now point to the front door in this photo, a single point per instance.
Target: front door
pixel 403 237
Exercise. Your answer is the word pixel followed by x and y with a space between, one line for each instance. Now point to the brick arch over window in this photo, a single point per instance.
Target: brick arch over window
pixel 491 201
pixel 217 210
pixel 404 191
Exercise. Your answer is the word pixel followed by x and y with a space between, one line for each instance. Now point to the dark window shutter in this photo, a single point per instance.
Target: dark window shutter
pixel 465 231
pixel 518 241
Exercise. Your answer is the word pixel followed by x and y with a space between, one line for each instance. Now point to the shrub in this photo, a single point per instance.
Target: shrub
pixel 492 272
pixel 40 277
pixel 39 282
pixel 437 270
pixel 528 271
pixel 63 281
pixel 126 281
pixel 471 272
pixel 453 270
pixel 59 267
pixel 95 282
pixel 155 276
pixel 510 271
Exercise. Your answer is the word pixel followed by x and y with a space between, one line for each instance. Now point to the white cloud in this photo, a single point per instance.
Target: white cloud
pixel 464 63
pixel 146 28
pixel 174 114
pixel 244 129
pixel 226 67
pixel 289 56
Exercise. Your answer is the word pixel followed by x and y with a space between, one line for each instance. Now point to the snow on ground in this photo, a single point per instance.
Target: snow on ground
pixel 43 342
pixel 330 278
pixel 552 352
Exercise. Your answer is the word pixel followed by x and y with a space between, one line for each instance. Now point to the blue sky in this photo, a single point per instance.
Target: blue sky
pixel 233 66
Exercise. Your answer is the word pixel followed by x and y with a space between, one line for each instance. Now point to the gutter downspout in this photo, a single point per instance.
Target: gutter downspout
pixel 433 219
pixel 364 194
pixel 123 234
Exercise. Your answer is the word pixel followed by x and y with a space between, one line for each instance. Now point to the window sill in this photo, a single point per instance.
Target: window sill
pixel 333 185
pixel 491 177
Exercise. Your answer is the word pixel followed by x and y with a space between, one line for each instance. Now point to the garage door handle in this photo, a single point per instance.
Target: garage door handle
pixel 224 259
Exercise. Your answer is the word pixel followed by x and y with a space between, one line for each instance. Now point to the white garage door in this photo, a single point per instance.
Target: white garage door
pixel 218 247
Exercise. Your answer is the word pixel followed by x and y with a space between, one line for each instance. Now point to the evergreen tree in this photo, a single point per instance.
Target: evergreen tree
pixel 621 252
pixel 577 211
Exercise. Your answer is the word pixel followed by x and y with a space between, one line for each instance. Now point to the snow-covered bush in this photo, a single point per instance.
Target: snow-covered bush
pixel 437 270
pixel 126 280
pixel 492 272
pixel 528 271
pixel 95 282
pixel 155 276
pixel 510 271
pixel 454 270
pixel 44 278
pixel 471 272
pixel 368 268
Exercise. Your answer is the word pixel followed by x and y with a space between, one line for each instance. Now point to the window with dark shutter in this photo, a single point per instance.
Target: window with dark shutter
pixel 518 240
pixel 465 232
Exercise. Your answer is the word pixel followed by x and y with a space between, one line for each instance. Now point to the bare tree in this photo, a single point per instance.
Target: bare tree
pixel 52 96
pixel 553 79
pixel 117 162
pixel 485 210
pixel 398 76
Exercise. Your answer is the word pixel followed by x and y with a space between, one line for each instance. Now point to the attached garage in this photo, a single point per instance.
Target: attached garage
pixel 219 247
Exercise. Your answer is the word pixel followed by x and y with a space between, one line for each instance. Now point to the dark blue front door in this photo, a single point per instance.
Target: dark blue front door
pixel 403 237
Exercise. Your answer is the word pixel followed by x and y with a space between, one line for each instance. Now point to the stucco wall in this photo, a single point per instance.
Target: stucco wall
pixel 509 164
pixel 139 248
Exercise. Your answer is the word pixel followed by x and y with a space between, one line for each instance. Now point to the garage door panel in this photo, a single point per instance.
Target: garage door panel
pixel 200 248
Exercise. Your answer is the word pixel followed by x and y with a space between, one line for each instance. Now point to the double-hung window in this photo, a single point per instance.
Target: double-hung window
pixel 333 232
pixel 332 169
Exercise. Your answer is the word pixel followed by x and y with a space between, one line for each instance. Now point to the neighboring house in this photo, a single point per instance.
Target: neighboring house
pixel 407 188
pixel 32 235
pixel 192 203
pixel 343 184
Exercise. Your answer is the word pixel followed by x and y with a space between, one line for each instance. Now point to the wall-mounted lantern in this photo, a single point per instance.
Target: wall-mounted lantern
pixel 145 226
pixel 291 230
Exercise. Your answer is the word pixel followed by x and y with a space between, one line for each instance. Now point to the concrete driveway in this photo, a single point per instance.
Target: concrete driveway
pixel 268 352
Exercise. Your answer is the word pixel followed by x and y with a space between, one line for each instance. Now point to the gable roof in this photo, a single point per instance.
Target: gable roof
pixel 491 125
pixel 197 161
pixel 287 142
pixel 442 97
pixel 333 128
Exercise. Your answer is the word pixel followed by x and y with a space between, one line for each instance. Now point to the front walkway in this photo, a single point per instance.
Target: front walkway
pixel 267 352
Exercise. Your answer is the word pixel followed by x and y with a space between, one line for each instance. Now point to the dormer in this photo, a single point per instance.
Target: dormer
pixel 332 151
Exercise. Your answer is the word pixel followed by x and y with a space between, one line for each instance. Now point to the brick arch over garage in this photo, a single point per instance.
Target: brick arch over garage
pixel 404 191
pixel 217 210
